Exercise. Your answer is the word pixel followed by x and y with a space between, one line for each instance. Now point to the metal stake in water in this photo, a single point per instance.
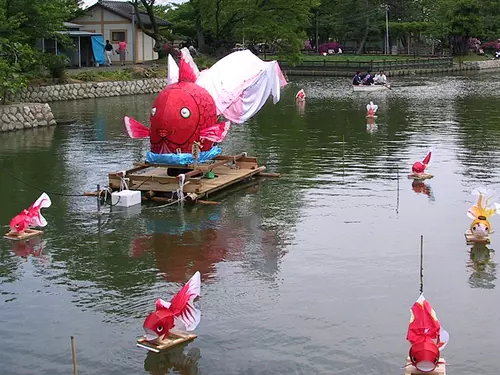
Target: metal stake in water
pixel 421 264
pixel 98 197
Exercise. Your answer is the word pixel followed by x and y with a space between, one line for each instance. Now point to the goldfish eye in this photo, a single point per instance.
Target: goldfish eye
pixel 185 112
pixel 17 225
pixel 159 328
pixel 153 111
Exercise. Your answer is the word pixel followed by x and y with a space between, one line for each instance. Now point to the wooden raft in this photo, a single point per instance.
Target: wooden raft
pixel 439 370
pixel 28 233
pixel 174 338
pixel 420 176
pixel 160 179
pixel 470 238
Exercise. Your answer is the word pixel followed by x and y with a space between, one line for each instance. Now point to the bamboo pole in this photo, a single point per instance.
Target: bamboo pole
pixel 73 351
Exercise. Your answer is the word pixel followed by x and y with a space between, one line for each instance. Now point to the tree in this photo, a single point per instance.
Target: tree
pixel 152 9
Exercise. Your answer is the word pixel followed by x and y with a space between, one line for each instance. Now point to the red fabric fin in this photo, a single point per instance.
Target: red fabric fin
pixel 215 133
pixel 427 159
pixel 135 129
pixel 188 71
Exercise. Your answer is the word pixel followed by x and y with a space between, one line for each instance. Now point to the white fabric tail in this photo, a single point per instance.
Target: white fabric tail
pixel 191 316
pixel 44 200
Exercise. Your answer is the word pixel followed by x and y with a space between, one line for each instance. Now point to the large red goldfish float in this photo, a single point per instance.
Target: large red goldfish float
pixel 198 107
pixel 179 312
pixel 419 166
pixel 426 336
pixel 481 212
pixel 31 217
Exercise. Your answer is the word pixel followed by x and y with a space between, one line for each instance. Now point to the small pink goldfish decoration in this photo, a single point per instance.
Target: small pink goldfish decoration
pixel 31 217
pixel 371 110
pixel 419 166
pixel 301 95
pixel 179 311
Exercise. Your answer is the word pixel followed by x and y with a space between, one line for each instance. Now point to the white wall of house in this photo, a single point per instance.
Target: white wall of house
pixel 114 27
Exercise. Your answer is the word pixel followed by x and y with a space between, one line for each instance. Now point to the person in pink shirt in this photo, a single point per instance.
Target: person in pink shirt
pixel 122 50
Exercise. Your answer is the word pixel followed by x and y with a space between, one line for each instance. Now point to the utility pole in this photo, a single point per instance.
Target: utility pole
pixel 317 35
pixel 387 52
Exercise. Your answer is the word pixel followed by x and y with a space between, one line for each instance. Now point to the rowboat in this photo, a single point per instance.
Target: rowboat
pixel 371 88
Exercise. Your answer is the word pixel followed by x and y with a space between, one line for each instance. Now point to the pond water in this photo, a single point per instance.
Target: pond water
pixel 311 273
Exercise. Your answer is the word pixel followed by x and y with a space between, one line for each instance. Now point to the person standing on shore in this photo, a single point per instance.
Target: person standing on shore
pixel 108 49
pixel 122 50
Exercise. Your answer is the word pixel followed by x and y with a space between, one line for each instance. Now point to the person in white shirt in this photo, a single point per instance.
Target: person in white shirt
pixel 380 78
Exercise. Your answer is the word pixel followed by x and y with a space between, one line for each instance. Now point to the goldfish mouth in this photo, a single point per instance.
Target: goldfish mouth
pixel 164 133
pixel 150 335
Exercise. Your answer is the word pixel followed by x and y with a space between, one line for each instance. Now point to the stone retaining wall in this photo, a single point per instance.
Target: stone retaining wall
pixel 26 115
pixel 483 65
pixel 43 94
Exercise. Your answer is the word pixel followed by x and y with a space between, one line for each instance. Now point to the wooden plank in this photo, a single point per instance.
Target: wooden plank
pixel 420 176
pixel 128 171
pixel 470 238
pixel 225 181
pixel 28 233
pixel 244 159
pixel 439 370
pixel 174 338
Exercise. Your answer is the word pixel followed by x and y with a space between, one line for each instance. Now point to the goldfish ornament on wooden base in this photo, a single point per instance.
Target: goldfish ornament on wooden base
pixel 371 110
pixel 418 168
pixel 480 228
pixel 31 217
pixel 179 314
pixel 301 96
pixel 427 339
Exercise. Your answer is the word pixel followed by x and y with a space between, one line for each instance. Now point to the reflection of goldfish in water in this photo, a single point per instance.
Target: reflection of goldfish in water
pixel 483 268
pixel 371 126
pixel 301 106
pixel 426 336
pixel 173 359
pixel 33 246
pixel 421 187
pixel 480 212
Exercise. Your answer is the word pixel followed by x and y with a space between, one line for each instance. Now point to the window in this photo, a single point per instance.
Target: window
pixel 118 36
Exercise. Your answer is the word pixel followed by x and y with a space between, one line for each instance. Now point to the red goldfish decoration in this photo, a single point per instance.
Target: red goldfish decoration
pixel 300 96
pixel 426 336
pixel 371 110
pixel 179 311
pixel 183 113
pixel 31 217
pixel 419 166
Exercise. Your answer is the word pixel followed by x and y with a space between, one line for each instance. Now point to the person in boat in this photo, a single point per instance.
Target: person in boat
pixel 368 79
pixel 380 78
pixel 356 80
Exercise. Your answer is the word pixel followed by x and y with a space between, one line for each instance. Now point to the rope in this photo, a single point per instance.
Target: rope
pixel 180 190
pixel 40 190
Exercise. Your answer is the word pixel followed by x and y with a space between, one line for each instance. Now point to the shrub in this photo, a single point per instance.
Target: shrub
pixel 56 65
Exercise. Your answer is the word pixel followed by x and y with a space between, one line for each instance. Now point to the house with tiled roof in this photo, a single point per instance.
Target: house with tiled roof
pixel 117 21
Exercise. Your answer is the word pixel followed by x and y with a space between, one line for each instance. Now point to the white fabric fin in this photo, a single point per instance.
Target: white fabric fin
pixel 44 200
pixel 172 71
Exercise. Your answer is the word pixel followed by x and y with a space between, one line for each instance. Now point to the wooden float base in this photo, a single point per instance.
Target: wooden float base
pixel 470 238
pixel 368 116
pixel 28 233
pixel 420 176
pixel 174 338
pixel 440 369
pixel 159 180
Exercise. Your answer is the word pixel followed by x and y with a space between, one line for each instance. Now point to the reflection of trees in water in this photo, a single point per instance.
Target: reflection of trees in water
pixel 479 137
pixel 311 143
pixel 174 359
pixel 9 265
pixel 483 269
